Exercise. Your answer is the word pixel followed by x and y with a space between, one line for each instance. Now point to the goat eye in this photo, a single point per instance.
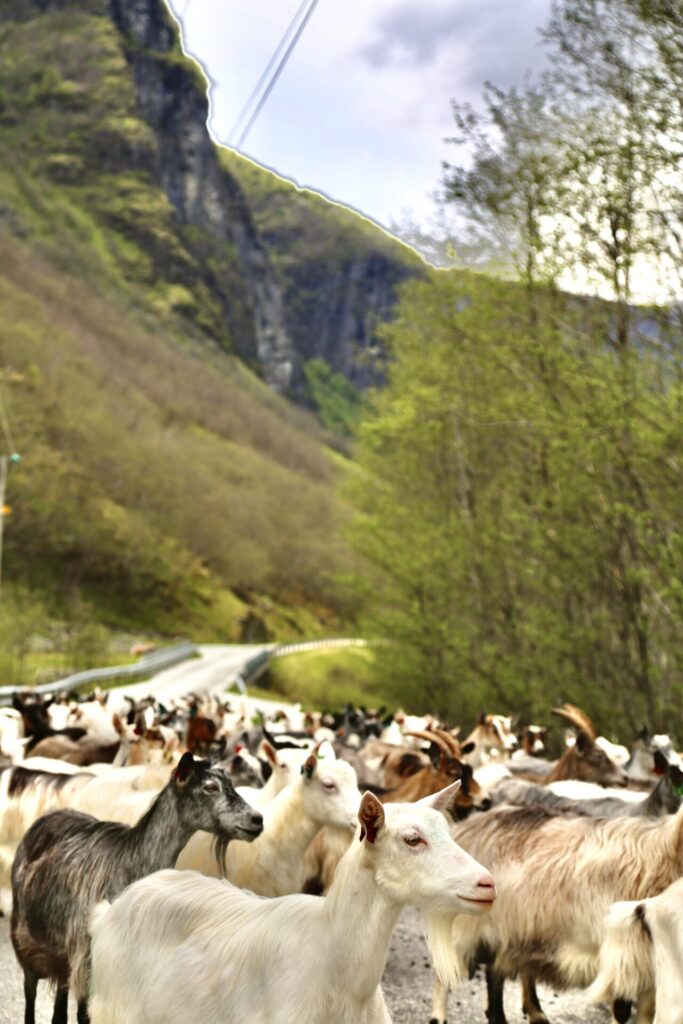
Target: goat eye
pixel 329 786
pixel 211 787
pixel 413 840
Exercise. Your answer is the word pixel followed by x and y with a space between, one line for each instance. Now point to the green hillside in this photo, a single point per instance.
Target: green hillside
pixel 162 481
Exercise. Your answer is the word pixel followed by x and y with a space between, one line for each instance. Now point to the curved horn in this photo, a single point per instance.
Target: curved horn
pixel 432 738
pixel 451 740
pixel 576 717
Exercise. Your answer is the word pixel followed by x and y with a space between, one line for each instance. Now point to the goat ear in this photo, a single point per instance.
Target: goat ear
pixel 371 817
pixel 482 718
pixel 270 751
pixel 443 801
pixel 581 742
pixel 184 769
pixel 118 724
pixel 661 763
pixel 309 766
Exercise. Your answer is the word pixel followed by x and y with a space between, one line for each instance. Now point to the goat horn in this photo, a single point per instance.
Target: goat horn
pixel 578 718
pixel 450 740
pixel 432 738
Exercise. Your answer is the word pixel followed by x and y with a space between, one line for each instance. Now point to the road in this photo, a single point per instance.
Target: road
pixel 217 667
pixel 407 986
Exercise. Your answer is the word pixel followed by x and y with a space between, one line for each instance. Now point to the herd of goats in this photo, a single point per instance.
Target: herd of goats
pixel 207 862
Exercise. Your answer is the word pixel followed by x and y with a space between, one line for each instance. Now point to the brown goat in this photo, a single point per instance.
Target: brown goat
pixel 431 779
pixel 584 760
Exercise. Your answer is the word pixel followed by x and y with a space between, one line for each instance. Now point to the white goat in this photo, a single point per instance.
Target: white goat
pixel 285 766
pixel 326 793
pixel 177 946
pixel 12 739
pixel 642 955
pixel 556 877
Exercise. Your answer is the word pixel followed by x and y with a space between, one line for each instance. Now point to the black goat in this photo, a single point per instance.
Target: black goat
pixel 37 721
pixel 67 862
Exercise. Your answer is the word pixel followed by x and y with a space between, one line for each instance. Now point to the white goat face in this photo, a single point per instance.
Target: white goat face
pixel 418 862
pixel 331 794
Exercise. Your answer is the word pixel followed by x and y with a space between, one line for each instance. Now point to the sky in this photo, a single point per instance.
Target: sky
pixel 362 109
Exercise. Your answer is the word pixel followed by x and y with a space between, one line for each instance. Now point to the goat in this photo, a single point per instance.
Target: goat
pixel 449 768
pixel 492 735
pixel 328 847
pixel 297 958
pixel 35 715
pixel 664 799
pixel 585 864
pixel 325 793
pixel 585 760
pixel 641 957
pixel 67 861
pixel 89 749
pixel 285 764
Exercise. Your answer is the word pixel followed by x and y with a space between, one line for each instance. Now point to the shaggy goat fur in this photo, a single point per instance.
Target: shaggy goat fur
pixel 178 946
pixel 557 876
pixel 642 955
pixel 67 861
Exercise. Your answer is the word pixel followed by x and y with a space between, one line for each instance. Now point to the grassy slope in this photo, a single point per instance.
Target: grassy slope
pixel 324 679
pixel 160 479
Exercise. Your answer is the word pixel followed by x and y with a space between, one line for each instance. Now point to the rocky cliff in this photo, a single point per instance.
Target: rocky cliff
pixel 278 275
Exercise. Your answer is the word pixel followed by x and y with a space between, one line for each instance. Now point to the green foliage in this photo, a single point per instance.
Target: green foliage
pixel 137 499
pixel 336 399
pixel 520 506
pixel 325 679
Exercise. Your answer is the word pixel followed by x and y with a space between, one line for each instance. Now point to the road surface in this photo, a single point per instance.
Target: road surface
pixel 407 986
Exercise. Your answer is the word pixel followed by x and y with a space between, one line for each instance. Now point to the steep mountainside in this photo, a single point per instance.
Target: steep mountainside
pixel 98 98
pixel 339 272
pixel 162 482
pixel 156 294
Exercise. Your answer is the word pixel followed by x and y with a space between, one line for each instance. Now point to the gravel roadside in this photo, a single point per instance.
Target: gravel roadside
pixel 407 987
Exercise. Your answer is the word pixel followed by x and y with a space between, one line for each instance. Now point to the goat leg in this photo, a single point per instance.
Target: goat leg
pixel 61 1010
pixel 531 1004
pixel 30 988
pixel 439 1002
pixel 495 986
pixel 646 1008
pixel 82 1015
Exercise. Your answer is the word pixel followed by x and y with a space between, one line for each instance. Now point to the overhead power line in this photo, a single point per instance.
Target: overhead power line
pixel 282 64
pixel 268 69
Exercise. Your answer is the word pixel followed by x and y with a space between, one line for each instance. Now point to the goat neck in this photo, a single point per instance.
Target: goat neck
pixel 361 918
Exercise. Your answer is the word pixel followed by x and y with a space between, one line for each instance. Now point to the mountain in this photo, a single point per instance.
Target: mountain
pixel 147 337
pixel 114 117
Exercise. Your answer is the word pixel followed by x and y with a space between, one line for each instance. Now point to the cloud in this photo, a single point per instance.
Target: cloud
pixel 495 40
pixel 413 33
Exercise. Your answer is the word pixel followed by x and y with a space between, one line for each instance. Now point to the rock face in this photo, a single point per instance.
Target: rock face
pixel 203 194
pixel 320 295
pixel 334 316
pixel 277 274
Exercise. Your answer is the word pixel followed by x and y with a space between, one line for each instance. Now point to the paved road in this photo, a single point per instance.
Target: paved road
pixel 407 985
pixel 215 669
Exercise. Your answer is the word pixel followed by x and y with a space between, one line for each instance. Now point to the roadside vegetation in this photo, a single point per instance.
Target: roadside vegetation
pixel 521 485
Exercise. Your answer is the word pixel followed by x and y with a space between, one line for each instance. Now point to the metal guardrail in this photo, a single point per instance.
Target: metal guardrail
pixel 316 645
pixel 257 665
pixel 148 664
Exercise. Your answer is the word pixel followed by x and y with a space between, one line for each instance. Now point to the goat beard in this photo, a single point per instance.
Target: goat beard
pixel 220 848
pixel 438 930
